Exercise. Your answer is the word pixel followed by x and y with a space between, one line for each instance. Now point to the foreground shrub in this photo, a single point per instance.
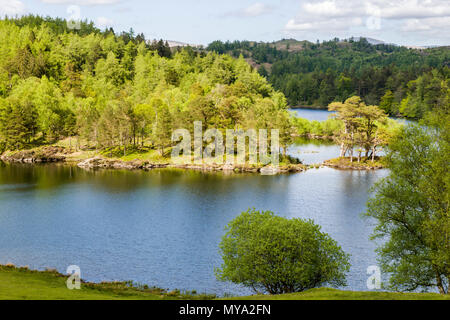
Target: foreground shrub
pixel 276 255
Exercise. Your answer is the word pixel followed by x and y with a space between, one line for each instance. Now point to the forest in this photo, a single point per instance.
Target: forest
pixel 404 82
pixel 121 90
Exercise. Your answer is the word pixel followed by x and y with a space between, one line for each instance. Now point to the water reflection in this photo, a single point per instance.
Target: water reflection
pixel 313 151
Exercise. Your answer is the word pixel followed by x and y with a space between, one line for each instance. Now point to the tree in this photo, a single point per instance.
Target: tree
pixel 388 104
pixel 361 126
pixel 17 123
pixel 263 71
pixel 162 127
pixel 411 207
pixel 276 255
pixel 347 112
pixel 370 119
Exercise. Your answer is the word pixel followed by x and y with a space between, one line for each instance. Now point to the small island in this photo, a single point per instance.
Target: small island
pixel 363 163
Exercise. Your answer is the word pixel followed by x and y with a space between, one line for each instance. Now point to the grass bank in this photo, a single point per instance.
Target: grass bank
pixel 25 284
pixel 334 294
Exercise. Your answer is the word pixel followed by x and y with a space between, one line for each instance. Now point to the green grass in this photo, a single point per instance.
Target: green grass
pixel 24 284
pixel 334 294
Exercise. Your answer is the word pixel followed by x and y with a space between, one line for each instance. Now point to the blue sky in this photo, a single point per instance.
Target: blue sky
pixel 406 22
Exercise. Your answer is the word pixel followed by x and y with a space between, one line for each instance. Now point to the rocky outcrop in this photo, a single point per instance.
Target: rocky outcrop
pixel 41 155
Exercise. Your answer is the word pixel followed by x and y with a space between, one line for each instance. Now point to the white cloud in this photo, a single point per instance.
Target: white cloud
pixel 327 9
pixel 81 2
pixel 433 25
pixel 415 9
pixel 11 7
pixel 414 25
pixel 103 22
pixel 404 15
pixel 255 10
pixel 330 24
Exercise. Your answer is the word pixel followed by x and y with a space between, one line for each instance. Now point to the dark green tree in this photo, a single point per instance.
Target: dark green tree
pixel 273 254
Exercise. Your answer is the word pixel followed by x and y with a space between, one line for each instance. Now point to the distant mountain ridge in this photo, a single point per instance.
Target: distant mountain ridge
pixel 297 45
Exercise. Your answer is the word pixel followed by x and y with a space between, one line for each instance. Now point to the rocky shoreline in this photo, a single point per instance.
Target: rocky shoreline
pixel 62 155
pixel 43 155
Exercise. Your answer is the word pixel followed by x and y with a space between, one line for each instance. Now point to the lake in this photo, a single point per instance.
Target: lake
pixel 311 151
pixel 163 227
pixel 312 114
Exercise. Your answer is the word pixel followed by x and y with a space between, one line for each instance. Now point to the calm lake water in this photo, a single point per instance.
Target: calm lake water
pixel 163 227
pixel 313 151
pixel 312 114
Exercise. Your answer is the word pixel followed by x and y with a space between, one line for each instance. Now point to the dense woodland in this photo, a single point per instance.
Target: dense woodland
pixel 120 90
pixel 404 82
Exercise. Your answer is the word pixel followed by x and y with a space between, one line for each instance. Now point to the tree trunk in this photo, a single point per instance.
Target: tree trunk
pixel 440 284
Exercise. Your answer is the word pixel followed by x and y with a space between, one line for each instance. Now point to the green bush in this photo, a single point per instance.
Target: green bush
pixel 276 255
pixel 327 128
pixel 2 147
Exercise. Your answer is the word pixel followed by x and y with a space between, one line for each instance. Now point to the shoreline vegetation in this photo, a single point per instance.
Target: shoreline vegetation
pixel 147 159
pixel 23 283
pixel 150 159
pixel 363 163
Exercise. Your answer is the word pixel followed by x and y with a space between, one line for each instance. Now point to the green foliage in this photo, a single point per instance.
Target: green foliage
pixel 388 104
pixel 411 208
pixel 272 254
pixel 429 93
pixel 333 71
pixel 326 129
pixel 362 127
pixel 117 90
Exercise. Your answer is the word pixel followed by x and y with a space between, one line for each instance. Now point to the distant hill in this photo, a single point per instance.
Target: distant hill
pixel 315 74
pixel 291 45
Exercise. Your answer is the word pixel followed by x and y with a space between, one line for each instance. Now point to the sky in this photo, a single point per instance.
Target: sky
pixel 403 22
